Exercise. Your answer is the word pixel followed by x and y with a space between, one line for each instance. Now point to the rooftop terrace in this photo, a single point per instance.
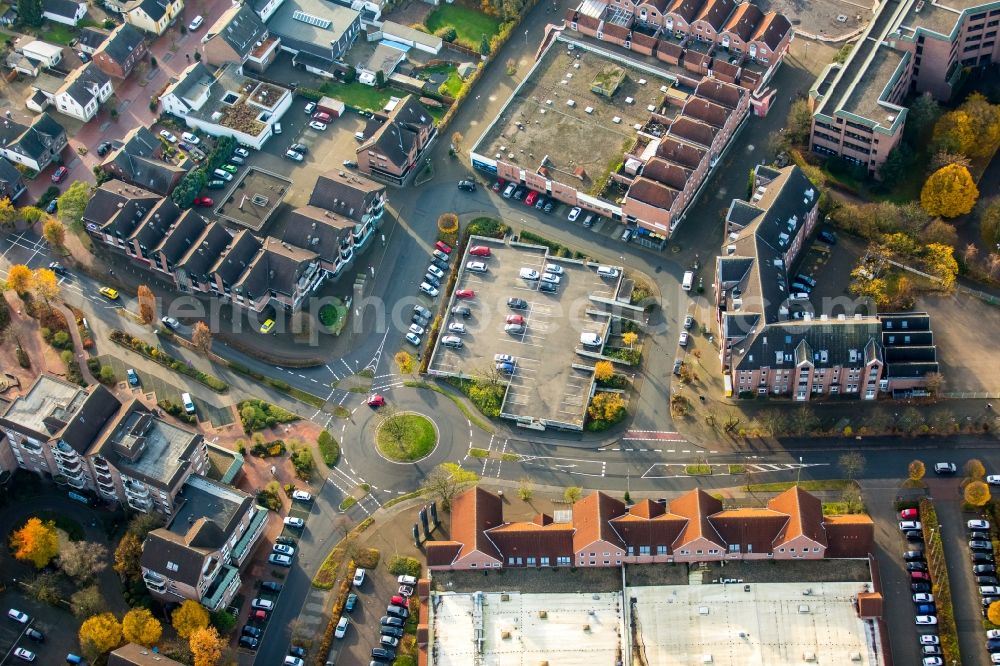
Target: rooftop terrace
pixel 162 447
pixel 253 198
pixel 47 397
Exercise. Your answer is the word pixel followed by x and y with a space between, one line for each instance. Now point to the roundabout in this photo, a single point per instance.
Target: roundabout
pixel 405 437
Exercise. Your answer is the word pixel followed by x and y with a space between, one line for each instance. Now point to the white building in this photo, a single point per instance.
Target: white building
pixel 83 92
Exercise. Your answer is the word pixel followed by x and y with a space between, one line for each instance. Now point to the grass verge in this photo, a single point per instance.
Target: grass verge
pixel 822 484
pixel 940 584
pixel 470 24
pixel 698 470
pixel 406 437
pixel 347 503
pixel 462 407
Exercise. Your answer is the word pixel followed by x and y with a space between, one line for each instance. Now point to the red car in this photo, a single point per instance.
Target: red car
pixel 909 513
pixel 531 198
pixel 479 251
pixel 465 293
pixel 400 601
pixel 497 186
pixel 444 247
pixel 515 319
pixel 919 575
pixel 204 201
pixel 376 401
pixel 59 174
pixel 258 615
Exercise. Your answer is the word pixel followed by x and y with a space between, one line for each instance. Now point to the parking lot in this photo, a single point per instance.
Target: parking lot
pixel 541 334
pixel 51 622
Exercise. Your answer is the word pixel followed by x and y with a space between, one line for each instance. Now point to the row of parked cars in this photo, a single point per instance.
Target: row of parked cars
pixel 985 571
pixel 920 585
pixel 24 620
pixel 530 197
pixel 391 625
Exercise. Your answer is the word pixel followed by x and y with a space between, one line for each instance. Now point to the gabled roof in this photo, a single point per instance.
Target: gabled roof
pixel 155 9
pixel 752 529
pixel 92 37
pixel 206 250
pixel 83 83
pixel 743 22
pixel 686 9
pixel 65 8
pixel 182 237
pixel 11 180
pixel 98 408
pixel 689 129
pixel 772 30
pixel 720 92
pixel 474 512
pixel 318 230
pixel 651 192
pixel 706 111
pixel 344 193
pixel 670 174
pixel 32 140
pixel 396 137
pixel 240 27
pixel 805 516
pixel 238 258
pixel 697 506
pixel 120 44
pixel 117 208
pixel 715 12
pixel 196 75
pixel 137 161
pixel 591 517
pixel 157 224
pixel 685 154
pixel 276 268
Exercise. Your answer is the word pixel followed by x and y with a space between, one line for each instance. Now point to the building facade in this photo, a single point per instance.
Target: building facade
pixel 605 532
pixel 392 152
pixel 910 46
pixel 121 51
pixel 35 146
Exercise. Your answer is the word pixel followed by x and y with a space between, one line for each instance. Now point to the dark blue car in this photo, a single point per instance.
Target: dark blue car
pixel 926 609
pixel 828 237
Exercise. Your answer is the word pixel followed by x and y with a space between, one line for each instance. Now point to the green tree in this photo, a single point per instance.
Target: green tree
pixel 525 489
pixel 989 223
pixel 852 463
pixel 921 116
pixel 897 165
pixel 107 375
pixel 31 214
pixel 949 192
pixel 8 214
pixel 939 231
pixel 30 11
pixel 88 601
pixel 573 494
pixel 73 202
pixel 484 46
pixel 446 480
pixel 45 588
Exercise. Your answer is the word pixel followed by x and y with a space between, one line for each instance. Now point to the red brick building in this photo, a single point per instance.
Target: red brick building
pixel 604 532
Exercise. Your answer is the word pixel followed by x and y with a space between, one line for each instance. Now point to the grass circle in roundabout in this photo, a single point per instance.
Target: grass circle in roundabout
pixel 406 437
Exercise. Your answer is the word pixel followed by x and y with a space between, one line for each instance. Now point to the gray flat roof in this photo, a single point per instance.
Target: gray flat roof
pixel 203 498
pixel 283 24
pixel 166 448
pixel 47 397
pixel 256 201
pixel 864 99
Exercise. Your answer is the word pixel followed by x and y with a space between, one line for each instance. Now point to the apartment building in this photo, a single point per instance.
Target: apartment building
pixel 602 531
pixel 87 440
pixel 910 47
pixel 313 243
pixel 394 150
pixel 772 341
pixel 199 553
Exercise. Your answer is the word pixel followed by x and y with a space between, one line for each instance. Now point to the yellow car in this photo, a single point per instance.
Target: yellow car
pixel 109 293
pixel 267 326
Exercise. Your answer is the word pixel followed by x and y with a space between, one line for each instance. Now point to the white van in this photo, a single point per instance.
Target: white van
pixel 589 339
pixel 607 271
pixel 688 280
pixel 188 404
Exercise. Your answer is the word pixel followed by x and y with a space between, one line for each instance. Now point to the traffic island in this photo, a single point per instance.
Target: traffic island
pixel 405 437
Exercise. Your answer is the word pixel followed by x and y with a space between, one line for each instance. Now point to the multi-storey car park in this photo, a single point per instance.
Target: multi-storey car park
pixel 631 130
pixel 911 46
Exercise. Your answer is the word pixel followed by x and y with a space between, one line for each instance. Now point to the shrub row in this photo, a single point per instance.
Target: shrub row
pixel 166 360
pixel 329 449
pixel 556 249
pixel 940 584
pixel 259 414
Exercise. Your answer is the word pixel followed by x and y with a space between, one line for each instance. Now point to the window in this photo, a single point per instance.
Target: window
pixel 563 561
pixel 698 552
pixel 607 554
pixel 545 561
pixel 644 550
pixel 531 561
pixel 473 565
pixel 661 550
pixel 171 566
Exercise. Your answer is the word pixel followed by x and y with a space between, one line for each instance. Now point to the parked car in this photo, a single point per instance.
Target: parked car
pixel 104 148
pixel 514 329
pixel 133 378
pixel 309 108
pixel 272 585
pixel 296 651
pixel 215 184
pixel 909 514
pixel 231 168
pixel 517 303
pixel 395 632
pixel 283 549
pixel 978 525
pixel 926 609
pixel 498 184
pixel 514 319
pixel 412 339
pixel 519 193
pixel 267 326
pixel 828 237
pixel 352 601
pixel 919 575
pixel 688 322
pixel 435 271
pixel 910 525
pixel 914 556
pixel 476 266
pixel 388 621
pixel 916 566
pixel 986 580
pixel 981 545
pixel 467 185
pixel 531 198
pixel 982 558
pixel 945 468
pixel 929 639
pixel 204 202
pixel 299 148
pixel 574 213
pixel 462 311
pixel 438 254
pixel 291 521
pixel 302 496
pixel 322 116
pixel 479 251
pixel 262 604
pixel 196 22
pixel 920 587
pixel 293 155
pixel 359 577
pixel 341 630
pixel 428 289
pixel 452 341
pixel 34 634
pixel 168 136
pixel 190 138
pixel 53 205
pixel 528 273
pixel 444 247
pixel 18 616
pixel 926 619
pixel 383 654
pixel 422 311
pixel 317 125
pixel 547 287
pixel 242 152
pixel 550 278
pixel 509 190
pixel 59 174
pixel 683 339
pixel 279 560
pixel 416 329
pixel 913 535
pixel 465 293
pixel 456 327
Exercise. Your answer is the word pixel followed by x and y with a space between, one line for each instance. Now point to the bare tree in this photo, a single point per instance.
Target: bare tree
pixel 83 560
pixel 852 463
pixel 446 480
pixel 201 337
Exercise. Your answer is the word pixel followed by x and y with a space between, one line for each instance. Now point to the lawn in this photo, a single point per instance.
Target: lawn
pixel 452 84
pixel 360 96
pixel 470 24
pixel 57 33
pixel 416 439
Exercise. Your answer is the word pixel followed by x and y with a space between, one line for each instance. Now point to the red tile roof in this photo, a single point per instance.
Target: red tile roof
pixel 697 506
pixel 590 518
pixel 651 192
pixel 670 174
pixel 805 516
pixel 707 112
pixel 719 92
pixel 743 22
pixel 772 30
pixel 442 553
pixel 752 529
pixel 474 512
pixel 693 130
pixel 682 153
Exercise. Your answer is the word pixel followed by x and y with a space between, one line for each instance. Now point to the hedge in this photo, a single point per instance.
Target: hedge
pixel 123 339
pixel 258 415
pixel 329 449
pixel 940 585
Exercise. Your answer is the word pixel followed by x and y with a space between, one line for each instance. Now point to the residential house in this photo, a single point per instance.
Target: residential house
pixel 220 105
pixel 316 33
pixel 35 146
pixel 199 553
pixel 89 39
pixel 385 58
pixel 11 181
pixel 604 532
pixel 67 12
pixel 908 48
pixel 280 274
pixel 404 34
pixel 22 64
pixel 392 152
pixel 118 55
pixel 83 92
pixel 351 196
pixel 42 53
pixel 152 16
pixel 772 342
pixel 139 161
pixel 239 36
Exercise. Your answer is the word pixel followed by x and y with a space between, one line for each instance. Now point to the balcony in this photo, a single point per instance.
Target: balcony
pixel 222 589
pixel 249 538
pixel 77 482
pixel 101 464
pixel 139 504
pixel 70 467
pixel 155 581
pixel 136 490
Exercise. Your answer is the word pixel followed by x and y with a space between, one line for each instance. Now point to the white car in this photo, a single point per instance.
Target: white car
pixel 435 271
pixel 170 323
pixel 168 136
pixel 990 633
pixel 24 655
pixel 279 560
pixel 990 591
pixel 995 658
pixel 294 522
pixel 476 267
pixel 993 479
pixel 926 619
pixel 923 598
pixel 342 627
pixel 978 525
pixel 683 340
pixel 514 329
pixel 262 604
pixel 359 577
pixel 503 358
pixel 528 274
pixel 555 269
pixel 590 339
pixel 302 496
pixel 429 289
pixel 18 616
pixel 416 329
pixel 196 23
pixel 294 156
pixel 932 661
pixel 317 125
pixel 406 580
pixel 456 327
pixel 549 277
pixel 242 152
pixel 309 108
pixel 282 549
pixel 573 214
pixel 190 138
pixel 906 525
pixel 292 661
pixel 413 339
pixel 930 639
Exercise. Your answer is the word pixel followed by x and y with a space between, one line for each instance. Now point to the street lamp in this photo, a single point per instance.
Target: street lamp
pixel 525 37
pixel 798 474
